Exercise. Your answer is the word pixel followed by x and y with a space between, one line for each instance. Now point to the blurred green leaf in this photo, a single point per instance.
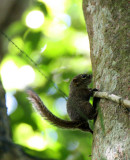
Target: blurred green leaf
pixel 57 51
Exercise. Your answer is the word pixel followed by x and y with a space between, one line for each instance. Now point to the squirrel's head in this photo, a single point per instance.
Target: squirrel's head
pixel 81 81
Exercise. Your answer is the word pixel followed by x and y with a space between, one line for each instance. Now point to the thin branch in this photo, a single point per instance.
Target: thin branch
pixel 27 58
pixel 114 98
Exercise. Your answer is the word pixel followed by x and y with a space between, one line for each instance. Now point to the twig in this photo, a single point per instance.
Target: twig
pixel 114 98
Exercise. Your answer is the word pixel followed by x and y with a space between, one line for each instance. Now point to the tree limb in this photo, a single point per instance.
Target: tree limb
pixel 113 98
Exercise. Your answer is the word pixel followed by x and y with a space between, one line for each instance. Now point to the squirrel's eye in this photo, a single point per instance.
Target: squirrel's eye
pixel 83 76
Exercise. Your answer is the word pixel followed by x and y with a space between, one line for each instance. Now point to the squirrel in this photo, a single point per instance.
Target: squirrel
pixel 78 107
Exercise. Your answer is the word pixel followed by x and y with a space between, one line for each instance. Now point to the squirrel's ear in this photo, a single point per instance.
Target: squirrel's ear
pixel 76 81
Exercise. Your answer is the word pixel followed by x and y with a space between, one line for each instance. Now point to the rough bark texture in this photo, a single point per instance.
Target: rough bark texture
pixel 107 26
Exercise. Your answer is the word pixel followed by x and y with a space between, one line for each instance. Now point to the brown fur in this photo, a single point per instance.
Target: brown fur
pixel 78 106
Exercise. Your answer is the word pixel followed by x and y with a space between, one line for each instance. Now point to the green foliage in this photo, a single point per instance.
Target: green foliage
pixel 56 52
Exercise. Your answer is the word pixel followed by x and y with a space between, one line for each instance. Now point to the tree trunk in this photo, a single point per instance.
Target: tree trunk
pixel 107 25
pixel 10 11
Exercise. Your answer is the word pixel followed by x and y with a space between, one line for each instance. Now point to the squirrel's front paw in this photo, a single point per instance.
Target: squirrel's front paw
pixel 95 89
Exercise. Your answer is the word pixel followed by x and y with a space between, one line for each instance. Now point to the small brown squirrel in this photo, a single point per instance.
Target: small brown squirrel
pixel 78 106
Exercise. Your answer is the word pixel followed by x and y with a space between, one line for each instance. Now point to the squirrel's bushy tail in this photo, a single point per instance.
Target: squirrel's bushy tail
pixel 44 112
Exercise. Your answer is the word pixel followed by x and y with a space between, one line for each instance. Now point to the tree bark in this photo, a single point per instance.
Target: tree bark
pixel 107 25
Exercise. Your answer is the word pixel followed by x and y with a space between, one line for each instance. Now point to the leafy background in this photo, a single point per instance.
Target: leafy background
pixel 53 52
